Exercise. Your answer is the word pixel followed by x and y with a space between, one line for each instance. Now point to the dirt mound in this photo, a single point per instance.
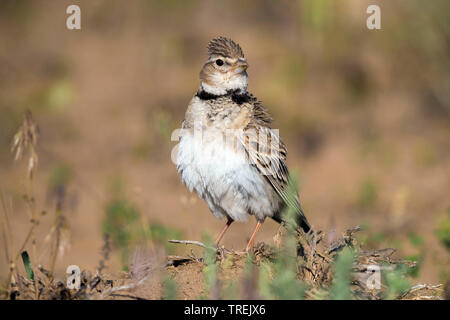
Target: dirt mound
pixel 219 273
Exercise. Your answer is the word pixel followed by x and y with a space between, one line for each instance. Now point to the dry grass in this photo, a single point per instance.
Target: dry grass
pixel 316 269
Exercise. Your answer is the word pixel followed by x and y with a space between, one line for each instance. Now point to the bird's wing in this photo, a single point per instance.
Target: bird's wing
pixel 267 153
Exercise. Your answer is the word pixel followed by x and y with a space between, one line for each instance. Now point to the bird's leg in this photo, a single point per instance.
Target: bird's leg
pixel 220 236
pixel 252 238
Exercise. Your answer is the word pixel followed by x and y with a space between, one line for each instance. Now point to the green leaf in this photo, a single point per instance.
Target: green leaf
pixel 340 289
pixel 169 287
pixel 211 268
pixel 396 282
pixel 443 230
pixel 414 271
pixel 415 239
pixel 27 265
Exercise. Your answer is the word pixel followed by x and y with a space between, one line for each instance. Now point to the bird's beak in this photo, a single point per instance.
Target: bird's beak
pixel 239 67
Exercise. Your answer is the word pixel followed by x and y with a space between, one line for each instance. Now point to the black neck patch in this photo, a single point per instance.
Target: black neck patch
pixel 203 95
pixel 239 97
pixel 235 95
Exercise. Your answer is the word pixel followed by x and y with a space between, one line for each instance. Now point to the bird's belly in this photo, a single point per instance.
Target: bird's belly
pixel 224 179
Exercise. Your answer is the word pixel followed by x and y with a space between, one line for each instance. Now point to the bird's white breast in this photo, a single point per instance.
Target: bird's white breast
pixel 223 177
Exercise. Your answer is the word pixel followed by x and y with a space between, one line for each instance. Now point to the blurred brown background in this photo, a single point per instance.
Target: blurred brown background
pixel 365 115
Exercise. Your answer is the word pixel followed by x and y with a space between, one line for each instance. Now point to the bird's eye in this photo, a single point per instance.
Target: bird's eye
pixel 219 62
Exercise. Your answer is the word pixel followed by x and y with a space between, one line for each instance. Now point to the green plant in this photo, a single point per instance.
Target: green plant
pixel 27 265
pixel 159 234
pixel 340 289
pixel 367 194
pixel 417 258
pixel 443 230
pixel 418 242
pixel 415 239
pixel 396 282
pixel 169 288
pixel 121 223
pixel 211 268
pixel 285 283
pixel 59 175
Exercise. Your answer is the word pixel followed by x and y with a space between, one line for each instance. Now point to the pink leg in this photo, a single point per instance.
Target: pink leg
pixel 252 238
pixel 220 236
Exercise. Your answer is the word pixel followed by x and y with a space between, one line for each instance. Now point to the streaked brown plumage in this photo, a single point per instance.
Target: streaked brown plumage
pixel 224 47
pixel 216 171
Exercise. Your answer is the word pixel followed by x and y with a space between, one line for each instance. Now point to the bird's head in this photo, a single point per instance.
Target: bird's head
pixel 225 68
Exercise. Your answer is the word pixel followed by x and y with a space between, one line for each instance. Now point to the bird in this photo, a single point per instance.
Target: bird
pixel 227 151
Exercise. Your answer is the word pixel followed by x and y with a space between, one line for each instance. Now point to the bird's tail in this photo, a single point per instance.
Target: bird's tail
pixel 292 210
pixel 300 220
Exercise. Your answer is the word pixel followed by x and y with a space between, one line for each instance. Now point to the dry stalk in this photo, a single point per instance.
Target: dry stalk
pixel 106 250
pixel 59 219
pixel 26 139
pixel 220 250
pixel 145 264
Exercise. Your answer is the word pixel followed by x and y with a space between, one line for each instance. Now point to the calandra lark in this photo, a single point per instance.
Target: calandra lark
pixel 227 152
